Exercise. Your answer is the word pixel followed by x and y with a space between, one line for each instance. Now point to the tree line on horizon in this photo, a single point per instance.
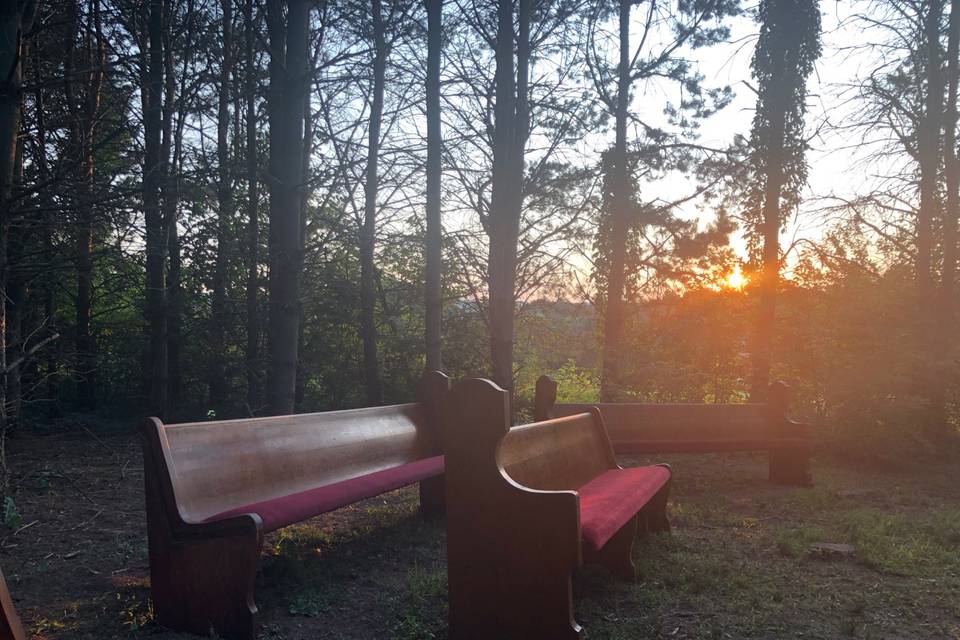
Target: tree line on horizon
pixel 250 207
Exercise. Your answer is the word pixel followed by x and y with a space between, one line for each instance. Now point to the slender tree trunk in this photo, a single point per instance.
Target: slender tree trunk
pixel 288 83
pixel 153 217
pixel 952 169
pixel 15 19
pixel 46 204
pixel 948 306
pixel 252 354
pixel 173 126
pixel 301 388
pixel 770 271
pixel 928 148
pixel 218 315
pixel 434 242
pixel 368 233
pixel 506 204
pixel 615 311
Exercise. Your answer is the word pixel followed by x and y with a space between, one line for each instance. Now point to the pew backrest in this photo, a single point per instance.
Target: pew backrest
pixel 564 453
pixel 680 423
pixel 220 465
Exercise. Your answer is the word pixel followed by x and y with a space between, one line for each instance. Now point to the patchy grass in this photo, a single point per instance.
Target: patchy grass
pixel 737 565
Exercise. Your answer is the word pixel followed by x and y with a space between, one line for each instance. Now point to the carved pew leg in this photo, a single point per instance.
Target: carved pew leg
pixel 433 496
pixel 791 467
pixel 653 517
pixel 616 554
pixel 205 585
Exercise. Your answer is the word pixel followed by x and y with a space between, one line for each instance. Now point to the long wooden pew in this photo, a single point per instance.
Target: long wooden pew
pixel 637 428
pixel 213 489
pixel 527 505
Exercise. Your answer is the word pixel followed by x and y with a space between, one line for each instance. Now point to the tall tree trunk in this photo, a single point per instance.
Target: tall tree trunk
pixel 46 205
pixel 153 216
pixel 15 19
pixel 218 315
pixel 433 300
pixel 288 83
pixel 172 159
pixel 301 387
pixel 620 201
pixel 928 148
pixel 506 202
pixel 252 354
pixel 761 354
pixel 368 233
pixel 952 169
pixel 948 306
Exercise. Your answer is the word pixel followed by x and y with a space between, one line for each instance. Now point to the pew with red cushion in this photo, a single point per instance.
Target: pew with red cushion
pixel 527 505
pixel 213 489
pixel 681 428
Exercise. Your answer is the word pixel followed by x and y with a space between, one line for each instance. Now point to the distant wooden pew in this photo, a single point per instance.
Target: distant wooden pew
pixel 213 489
pixel 678 428
pixel 527 505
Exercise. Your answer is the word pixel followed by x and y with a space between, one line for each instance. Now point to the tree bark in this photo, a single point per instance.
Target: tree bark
pixel 368 233
pixel 928 148
pixel 433 299
pixel 506 203
pixel 288 83
pixel 252 354
pixel 946 325
pixel 15 19
pixel 615 311
pixel 153 217
pixel 218 311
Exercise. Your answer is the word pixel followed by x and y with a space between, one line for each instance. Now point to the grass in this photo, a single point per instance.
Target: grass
pixel 737 564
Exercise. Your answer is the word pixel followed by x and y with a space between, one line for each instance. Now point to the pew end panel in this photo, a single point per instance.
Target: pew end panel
pixel 511 548
pixel 201 574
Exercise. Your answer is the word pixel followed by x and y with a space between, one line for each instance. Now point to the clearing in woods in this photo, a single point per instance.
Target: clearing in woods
pixel 742 562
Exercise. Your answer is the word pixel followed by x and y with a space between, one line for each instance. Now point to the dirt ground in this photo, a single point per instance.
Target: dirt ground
pixel 742 560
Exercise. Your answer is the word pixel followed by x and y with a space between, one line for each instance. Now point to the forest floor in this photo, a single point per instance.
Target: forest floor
pixel 739 563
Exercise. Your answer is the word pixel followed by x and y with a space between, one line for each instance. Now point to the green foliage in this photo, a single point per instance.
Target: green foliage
pixel 787 49
pixel 11 516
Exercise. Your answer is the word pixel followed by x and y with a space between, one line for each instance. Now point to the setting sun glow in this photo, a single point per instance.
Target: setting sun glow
pixel 736 279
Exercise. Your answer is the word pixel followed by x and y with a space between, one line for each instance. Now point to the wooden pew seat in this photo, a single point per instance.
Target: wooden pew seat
pixel 611 500
pixel 284 511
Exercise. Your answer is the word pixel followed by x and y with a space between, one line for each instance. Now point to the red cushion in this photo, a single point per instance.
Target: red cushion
pixel 609 501
pixel 684 446
pixel 281 512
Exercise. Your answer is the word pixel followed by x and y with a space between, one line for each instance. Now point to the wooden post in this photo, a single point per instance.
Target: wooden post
pixel 544 399
pixel 433 388
pixel 791 465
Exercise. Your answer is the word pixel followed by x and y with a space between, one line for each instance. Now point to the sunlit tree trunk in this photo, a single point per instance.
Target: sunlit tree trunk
pixel 434 241
pixel 288 83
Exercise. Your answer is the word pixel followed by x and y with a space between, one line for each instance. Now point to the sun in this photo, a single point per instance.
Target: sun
pixel 736 279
